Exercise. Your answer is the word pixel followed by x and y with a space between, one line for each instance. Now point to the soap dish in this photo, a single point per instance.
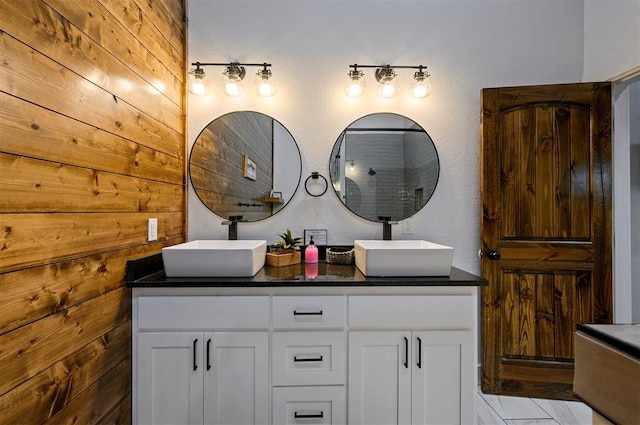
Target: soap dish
pixel 339 255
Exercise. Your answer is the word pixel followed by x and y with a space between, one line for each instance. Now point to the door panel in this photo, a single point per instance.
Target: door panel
pixel 169 378
pixel 379 390
pixel 236 378
pixel 546 199
pixel 443 363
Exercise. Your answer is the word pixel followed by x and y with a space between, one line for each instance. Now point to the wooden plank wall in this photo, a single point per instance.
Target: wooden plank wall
pixel 92 124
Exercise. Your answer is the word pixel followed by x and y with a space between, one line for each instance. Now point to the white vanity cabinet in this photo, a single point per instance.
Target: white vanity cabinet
pixel 321 355
pixel 202 360
pixel 411 359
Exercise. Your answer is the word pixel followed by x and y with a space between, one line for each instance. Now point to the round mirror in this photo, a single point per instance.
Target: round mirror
pixel 384 167
pixel 245 164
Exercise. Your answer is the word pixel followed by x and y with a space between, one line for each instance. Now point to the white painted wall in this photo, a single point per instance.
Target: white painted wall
pixel 611 38
pixel 467 45
pixel 634 133
pixel 612 48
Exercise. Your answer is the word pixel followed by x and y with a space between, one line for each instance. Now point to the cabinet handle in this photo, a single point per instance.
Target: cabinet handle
pixel 297 415
pixel 307 313
pixel 195 356
pixel 208 352
pixel 406 353
pixel 307 359
pixel 419 363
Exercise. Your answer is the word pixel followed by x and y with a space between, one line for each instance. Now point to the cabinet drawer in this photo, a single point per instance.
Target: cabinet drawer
pixel 411 311
pixel 203 312
pixel 309 405
pixel 309 358
pixel 315 312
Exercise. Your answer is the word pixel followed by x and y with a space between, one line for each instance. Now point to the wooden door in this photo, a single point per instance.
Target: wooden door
pixel 546 232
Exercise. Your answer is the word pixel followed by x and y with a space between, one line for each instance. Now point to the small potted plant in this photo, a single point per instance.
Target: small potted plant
pixel 288 243
pixel 288 251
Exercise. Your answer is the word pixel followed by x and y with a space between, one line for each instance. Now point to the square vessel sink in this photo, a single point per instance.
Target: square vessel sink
pixel 403 258
pixel 214 258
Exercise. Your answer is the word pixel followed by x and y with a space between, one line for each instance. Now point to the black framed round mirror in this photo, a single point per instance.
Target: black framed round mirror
pixel 384 167
pixel 245 164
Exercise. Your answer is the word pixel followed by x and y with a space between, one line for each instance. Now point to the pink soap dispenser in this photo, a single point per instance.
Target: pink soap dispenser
pixel 311 252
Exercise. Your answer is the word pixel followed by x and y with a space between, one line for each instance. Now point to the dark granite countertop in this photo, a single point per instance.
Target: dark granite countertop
pixel 148 272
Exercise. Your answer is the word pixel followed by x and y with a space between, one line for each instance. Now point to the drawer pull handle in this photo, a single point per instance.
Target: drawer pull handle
pixel 307 359
pixel 195 356
pixel 406 353
pixel 297 415
pixel 419 364
pixel 208 354
pixel 307 313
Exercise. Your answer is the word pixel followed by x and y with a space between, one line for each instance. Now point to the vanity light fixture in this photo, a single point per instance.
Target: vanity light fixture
pixel 233 76
pixel 386 77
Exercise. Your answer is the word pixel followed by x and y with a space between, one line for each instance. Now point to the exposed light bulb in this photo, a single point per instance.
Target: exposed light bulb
pixel 232 88
pixel 198 83
pixel 352 166
pixel 388 89
pixel 266 89
pixel 421 85
pixel 355 84
pixel 233 76
pixel 386 78
pixel 198 88
pixel 354 90
pixel 264 83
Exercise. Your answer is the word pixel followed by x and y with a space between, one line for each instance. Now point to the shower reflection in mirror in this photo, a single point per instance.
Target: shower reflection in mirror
pixel 384 165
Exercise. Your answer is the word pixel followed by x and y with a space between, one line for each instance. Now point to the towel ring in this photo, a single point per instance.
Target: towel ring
pixel 315 175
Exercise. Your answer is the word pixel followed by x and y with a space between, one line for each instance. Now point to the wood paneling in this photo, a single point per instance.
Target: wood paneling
pixel 33 77
pixel 26 299
pixel 55 386
pixel 86 146
pixel 27 240
pixel 36 25
pixel 92 145
pixel 40 185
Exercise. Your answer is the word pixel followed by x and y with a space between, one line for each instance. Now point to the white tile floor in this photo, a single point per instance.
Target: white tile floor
pixel 504 410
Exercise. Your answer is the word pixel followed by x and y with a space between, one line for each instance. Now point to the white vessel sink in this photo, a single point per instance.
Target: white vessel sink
pixel 403 258
pixel 214 258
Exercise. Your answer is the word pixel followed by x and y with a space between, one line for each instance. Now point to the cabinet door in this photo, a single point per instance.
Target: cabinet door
pixel 442 390
pixel 379 390
pixel 169 377
pixel 236 378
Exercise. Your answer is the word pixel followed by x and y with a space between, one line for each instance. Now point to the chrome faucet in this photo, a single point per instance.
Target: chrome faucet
pixel 386 227
pixel 233 226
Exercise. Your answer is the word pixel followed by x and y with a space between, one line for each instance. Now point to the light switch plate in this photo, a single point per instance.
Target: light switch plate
pixel 152 233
